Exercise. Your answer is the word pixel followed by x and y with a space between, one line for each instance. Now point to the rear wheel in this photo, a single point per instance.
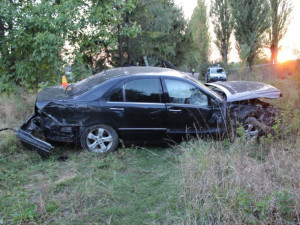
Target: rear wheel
pixel 99 138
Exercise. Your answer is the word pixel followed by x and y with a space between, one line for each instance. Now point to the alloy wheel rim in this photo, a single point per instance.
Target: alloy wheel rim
pixel 99 140
pixel 251 131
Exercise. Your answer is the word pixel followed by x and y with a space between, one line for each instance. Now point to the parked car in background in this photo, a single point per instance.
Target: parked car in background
pixel 215 73
pixel 136 104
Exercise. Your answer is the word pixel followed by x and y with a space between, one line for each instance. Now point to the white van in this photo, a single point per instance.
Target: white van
pixel 215 73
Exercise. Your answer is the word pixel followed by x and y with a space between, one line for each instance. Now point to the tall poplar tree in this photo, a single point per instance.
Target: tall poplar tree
pixel 198 29
pixel 279 13
pixel 223 25
pixel 250 22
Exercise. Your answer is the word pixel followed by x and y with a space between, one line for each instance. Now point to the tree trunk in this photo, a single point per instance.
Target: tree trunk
pixel 127 38
pixel 121 61
pixel 274 53
pixel 250 63
pixel 128 50
pixel 225 56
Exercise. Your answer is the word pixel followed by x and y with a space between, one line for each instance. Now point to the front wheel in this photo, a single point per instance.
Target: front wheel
pixel 253 129
pixel 99 138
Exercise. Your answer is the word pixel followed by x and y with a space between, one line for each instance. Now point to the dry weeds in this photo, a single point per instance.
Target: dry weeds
pixel 230 187
pixel 14 109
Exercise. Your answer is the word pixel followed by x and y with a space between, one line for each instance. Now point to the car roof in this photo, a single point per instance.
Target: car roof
pixel 142 70
pixel 90 82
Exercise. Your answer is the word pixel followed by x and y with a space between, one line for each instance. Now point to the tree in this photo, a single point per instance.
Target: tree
pixel 31 39
pixel 33 36
pixel 162 33
pixel 97 39
pixel 250 23
pixel 223 25
pixel 198 29
pixel 279 13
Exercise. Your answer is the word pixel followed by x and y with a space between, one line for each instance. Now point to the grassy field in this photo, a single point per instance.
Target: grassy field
pixel 131 186
pixel 199 182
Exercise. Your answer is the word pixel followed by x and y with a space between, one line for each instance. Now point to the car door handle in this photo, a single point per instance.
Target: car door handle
pixel 174 110
pixel 117 109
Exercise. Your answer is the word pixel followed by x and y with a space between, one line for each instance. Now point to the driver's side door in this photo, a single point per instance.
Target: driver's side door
pixel 189 109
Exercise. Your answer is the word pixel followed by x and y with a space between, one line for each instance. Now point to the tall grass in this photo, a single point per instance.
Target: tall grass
pixel 247 183
pixel 230 186
pixel 14 109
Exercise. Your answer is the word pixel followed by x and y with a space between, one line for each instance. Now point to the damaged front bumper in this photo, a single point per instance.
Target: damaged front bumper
pixel 26 137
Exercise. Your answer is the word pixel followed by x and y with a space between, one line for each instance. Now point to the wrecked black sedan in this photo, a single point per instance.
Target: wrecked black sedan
pixel 133 104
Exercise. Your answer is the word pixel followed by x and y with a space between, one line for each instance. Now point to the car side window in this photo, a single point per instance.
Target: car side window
pixel 143 90
pixel 184 93
pixel 117 96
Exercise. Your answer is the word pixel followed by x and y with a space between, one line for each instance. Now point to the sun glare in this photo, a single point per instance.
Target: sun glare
pixel 284 56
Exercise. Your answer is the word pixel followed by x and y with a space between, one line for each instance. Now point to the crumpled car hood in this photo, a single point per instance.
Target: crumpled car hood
pixel 243 90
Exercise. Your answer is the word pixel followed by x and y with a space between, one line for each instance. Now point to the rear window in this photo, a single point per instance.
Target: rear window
pixel 88 83
pixel 217 70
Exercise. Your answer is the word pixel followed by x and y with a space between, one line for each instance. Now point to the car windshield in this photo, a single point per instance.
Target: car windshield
pixel 88 83
pixel 217 70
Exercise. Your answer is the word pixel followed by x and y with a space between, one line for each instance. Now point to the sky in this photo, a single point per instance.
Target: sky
pixel 289 43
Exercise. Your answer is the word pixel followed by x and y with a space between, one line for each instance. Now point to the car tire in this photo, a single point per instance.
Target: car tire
pixel 253 129
pixel 99 138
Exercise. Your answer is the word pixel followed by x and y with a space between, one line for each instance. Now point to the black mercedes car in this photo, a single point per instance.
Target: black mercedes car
pixel 135 104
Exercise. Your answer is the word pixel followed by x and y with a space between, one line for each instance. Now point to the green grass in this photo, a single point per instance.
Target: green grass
pixel 200 182
pixel 131 186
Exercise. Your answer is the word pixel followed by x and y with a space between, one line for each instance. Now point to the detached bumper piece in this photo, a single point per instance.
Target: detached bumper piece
pixel 24 134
